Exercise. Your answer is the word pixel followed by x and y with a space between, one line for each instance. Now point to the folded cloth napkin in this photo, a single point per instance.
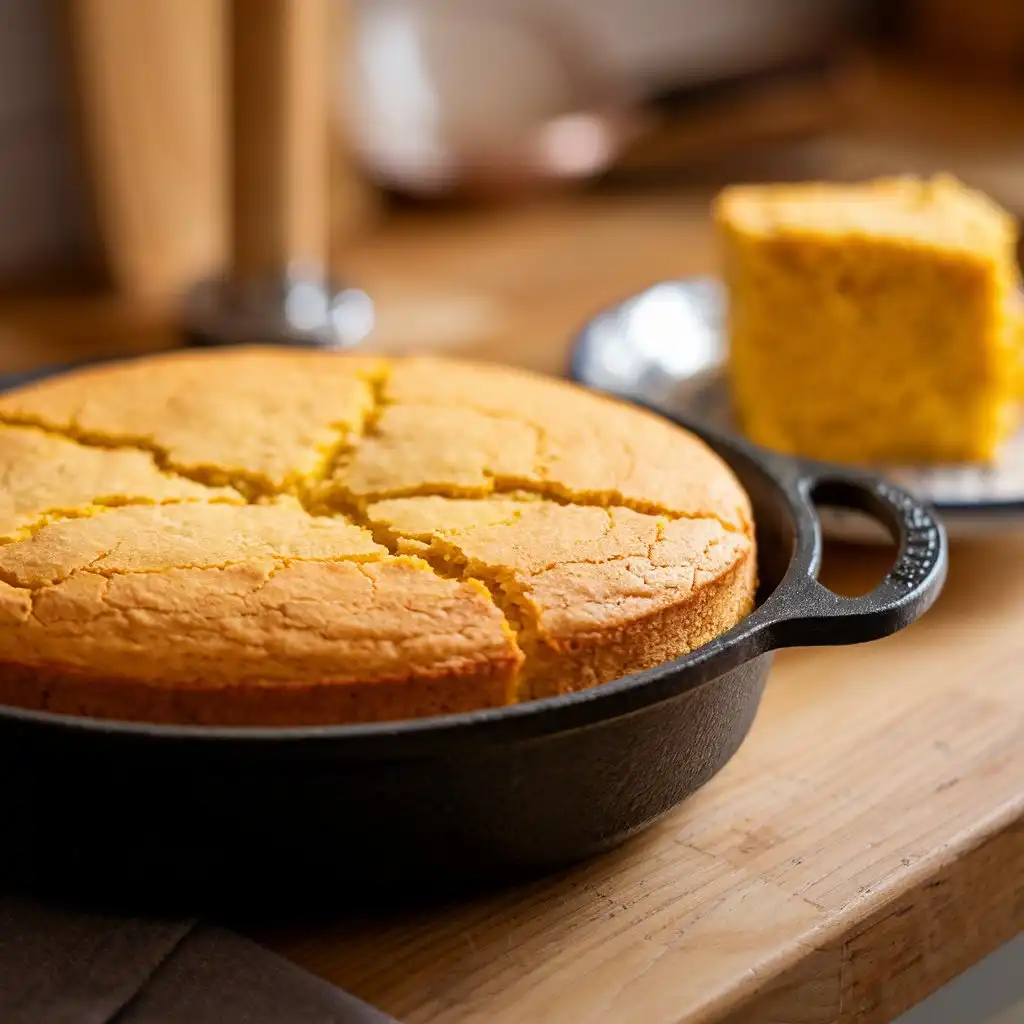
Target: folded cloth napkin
pixel 62 966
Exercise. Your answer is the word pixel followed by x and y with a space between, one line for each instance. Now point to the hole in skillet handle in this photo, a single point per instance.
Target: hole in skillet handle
pixel 815 615
pixel 856 552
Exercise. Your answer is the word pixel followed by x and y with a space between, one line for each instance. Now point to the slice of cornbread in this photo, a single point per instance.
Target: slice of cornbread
pixel 869 322
pixel 675 583
pixel 269 614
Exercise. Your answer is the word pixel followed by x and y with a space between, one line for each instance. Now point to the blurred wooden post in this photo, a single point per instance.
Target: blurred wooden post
pixel 277 287
pixel 161 149
pixel 147 89
pixel 355 202
pixel 280 166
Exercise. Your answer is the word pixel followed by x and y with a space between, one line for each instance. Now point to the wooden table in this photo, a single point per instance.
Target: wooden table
pixel 864 846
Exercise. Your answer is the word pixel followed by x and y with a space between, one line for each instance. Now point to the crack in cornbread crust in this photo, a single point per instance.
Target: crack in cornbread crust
pixel 475 450
pixel 288 412
pixel 44 477
pixel 504 604
pixel 564 574
pixel 146 539
pixel 263 648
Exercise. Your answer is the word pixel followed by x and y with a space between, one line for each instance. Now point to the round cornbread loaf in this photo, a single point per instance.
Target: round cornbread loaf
pixel 265 537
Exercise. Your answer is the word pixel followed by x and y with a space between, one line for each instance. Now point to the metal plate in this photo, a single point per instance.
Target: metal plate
pixel 666 347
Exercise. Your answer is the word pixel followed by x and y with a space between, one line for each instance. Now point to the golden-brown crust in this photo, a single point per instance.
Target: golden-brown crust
pixel 222 573
pixel 474 429
pixel 595 592
pixel 447 691
pixel 580 660
pixel 937 213
pixel 286 413
pixel 43 476
pixel 303 621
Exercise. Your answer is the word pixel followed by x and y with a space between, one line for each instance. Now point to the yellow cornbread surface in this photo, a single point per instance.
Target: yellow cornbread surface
pixel 870 322
pixel 44 476
pixel 289 538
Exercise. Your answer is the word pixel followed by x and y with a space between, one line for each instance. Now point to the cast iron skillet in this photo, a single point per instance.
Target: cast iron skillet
pixel 224 814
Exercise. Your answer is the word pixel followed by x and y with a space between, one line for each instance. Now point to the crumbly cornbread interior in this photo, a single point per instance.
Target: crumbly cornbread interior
pixel 868 322
pixel 291 514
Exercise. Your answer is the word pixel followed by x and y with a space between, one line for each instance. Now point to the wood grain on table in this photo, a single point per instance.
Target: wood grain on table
pixel 867 842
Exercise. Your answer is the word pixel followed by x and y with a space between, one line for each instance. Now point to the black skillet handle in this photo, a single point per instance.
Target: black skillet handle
pixel 815 616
